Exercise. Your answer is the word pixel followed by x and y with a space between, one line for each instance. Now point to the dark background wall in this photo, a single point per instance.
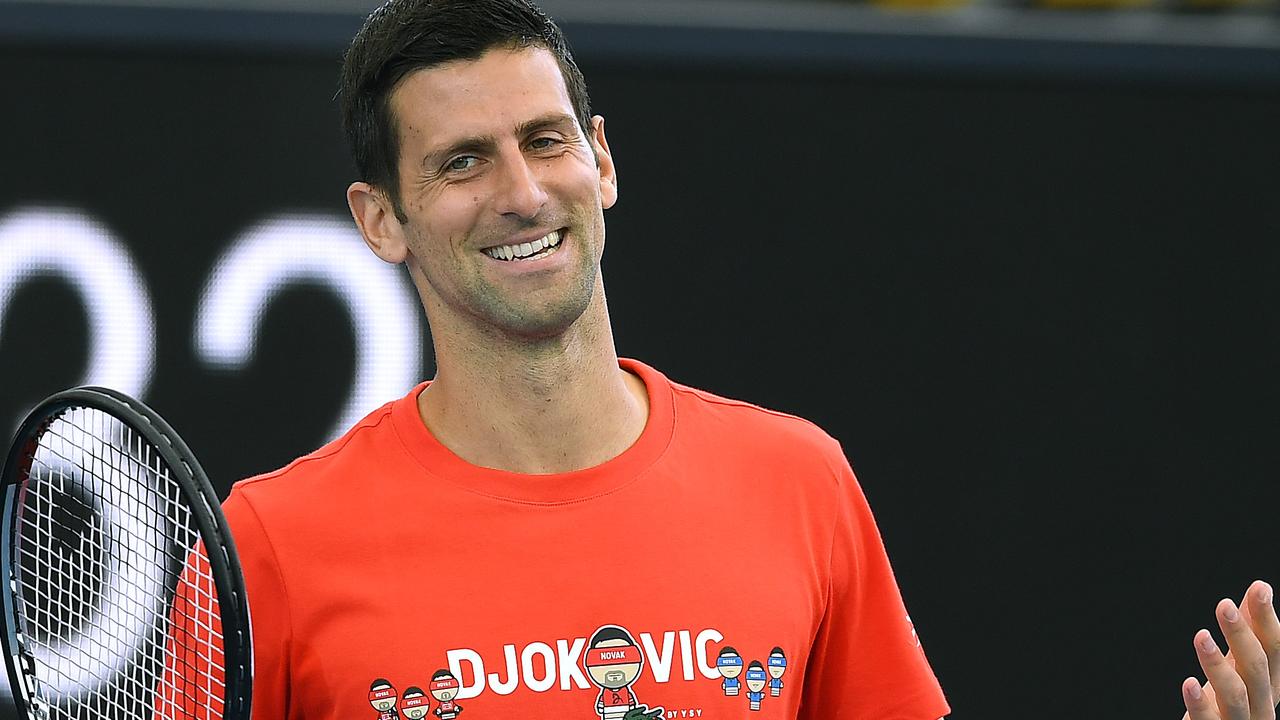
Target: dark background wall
pixel 1037 306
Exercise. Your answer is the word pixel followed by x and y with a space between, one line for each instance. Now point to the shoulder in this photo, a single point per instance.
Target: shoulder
pixel 284 518
pixel 715 428
pixel 756 430
pixel 750 419
pixel 311 473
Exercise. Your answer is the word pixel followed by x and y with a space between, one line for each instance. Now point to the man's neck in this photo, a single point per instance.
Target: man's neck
pixel 549 407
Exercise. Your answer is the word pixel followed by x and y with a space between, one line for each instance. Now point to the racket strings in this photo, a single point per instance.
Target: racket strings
pixel 119 605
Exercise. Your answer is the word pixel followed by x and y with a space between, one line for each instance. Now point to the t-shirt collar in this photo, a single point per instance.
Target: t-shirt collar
pixel 550 489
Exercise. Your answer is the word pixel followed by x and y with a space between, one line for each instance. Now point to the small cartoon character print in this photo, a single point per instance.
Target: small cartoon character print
pixel 382 696
pixel 613 662
pixel 729 663
pixel 444 688
pixel 415 703
pixel 777 666
pixel 756 677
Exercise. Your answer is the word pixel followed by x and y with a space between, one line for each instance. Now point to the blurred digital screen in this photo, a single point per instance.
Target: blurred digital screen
pixel 324 252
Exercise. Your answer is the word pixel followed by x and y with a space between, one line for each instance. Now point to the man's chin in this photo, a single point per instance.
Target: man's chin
pixel 548 323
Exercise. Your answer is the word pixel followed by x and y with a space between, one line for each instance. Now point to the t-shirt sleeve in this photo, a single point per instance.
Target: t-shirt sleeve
pixel 192 680
pixel 268 608
pixel 867 663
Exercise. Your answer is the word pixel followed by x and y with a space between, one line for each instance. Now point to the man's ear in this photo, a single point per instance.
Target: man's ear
pixel 376 217
pixel 604 160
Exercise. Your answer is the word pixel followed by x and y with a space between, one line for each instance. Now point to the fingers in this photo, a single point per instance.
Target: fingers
pixel 1252 690
pixel 1259 610
pixel 1199 705
pixel 1232 696
pixel 1244 684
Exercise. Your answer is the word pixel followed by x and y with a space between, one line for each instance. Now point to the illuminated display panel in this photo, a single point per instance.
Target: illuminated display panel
pixel 178 230
pixel 319 253
pixel 70 246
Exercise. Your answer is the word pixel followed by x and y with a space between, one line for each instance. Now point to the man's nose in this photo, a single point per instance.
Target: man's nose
pixel 521 193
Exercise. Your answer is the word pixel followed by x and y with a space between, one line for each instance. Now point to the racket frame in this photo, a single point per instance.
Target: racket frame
pixel 185 470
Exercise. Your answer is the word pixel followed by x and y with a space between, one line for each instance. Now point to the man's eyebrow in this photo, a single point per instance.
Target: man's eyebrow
pixel 549 120
pixel 473 143
pixel 483 143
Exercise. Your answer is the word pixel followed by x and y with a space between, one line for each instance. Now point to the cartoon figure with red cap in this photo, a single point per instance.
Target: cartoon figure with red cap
pixel 382 696
pixel 444 687
pixel 415 703
pixel 613 661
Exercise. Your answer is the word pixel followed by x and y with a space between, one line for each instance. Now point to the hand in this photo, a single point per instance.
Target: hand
pixel 1245 684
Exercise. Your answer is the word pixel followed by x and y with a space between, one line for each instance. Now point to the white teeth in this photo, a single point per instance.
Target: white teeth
pixel 524 250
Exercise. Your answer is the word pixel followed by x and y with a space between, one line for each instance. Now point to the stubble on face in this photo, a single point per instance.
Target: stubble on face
pixel 496 310
pixel 451 221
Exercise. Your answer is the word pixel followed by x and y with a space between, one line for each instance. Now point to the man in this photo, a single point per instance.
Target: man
pixel 415 704
pixel 584 490
pixel 777 666
pixel 613 662
pixel 756 678
pixel 382 696
pixel 729 663
pixel 444 688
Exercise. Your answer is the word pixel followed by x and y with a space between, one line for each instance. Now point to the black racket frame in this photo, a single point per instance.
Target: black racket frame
pixel 224 562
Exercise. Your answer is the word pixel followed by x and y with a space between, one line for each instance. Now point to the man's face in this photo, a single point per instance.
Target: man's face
pixel 614 676
pixel 417 711
pixel 493 161
pixel 730 670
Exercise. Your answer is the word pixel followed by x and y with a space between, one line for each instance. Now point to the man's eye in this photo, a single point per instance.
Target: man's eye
pixel 465 162
pixel 543 143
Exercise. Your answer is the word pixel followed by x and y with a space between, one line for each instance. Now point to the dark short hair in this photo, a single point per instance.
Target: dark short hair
pixel 402 36
pixel 611 632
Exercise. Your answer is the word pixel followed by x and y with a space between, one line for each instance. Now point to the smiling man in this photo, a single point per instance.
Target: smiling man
pixel 567 488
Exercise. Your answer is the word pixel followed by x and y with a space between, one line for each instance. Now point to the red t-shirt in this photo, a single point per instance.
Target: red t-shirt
pixel 723 525
pixel 620 697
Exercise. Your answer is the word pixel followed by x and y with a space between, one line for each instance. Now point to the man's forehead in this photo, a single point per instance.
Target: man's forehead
pixel 496 92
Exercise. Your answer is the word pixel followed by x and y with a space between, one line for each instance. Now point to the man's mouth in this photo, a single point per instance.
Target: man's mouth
pixel 542 247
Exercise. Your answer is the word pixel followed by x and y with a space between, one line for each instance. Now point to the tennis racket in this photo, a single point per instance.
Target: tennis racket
pixel 122 591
